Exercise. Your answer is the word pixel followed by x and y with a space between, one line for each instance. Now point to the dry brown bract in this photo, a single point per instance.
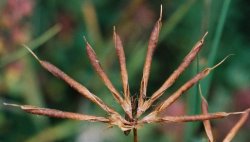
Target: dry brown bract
pixel 133 122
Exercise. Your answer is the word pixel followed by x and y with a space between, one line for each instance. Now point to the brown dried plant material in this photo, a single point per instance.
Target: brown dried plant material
pixel 96 65
pixel 153 118
pixel 114 116
pixel 132 107
pixel 77 86
pixel 206 123
pixel 165 104
pixel 124 74
pixel 237 126
pixel 59 114
pixel 169 82
pixel 151 48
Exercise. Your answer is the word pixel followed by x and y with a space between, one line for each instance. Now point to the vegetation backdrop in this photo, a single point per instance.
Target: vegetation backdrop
pixel 54 29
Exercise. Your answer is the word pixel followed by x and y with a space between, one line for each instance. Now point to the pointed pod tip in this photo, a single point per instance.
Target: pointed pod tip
pixel 204 36
pixel 237 113
pixel 32 53
pixel 13 105
pixel 114 33
pixel 84 38
pixel 200 90
pixel 160 18
pixel 88 47
pixel 222 61
pixel 202 97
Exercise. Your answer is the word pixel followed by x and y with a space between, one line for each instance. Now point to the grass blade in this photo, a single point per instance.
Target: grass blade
pixel 206 83
pixel 33 45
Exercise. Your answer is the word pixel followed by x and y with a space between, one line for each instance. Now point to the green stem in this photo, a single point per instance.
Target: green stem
pixel 206 83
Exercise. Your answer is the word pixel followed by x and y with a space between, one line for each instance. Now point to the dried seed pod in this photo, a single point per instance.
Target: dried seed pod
pixel 74 84
pixel 96 65
pixel 122 60
pixel 176 119
pixel 206 123
pixel 132 107
pixel 185 63
pixel 59 114
pixel 185 87
pixel 151 48
pixel 195 117
pixel 237 126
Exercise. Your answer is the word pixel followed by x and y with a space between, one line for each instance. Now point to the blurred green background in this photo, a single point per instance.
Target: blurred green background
pixel 54 29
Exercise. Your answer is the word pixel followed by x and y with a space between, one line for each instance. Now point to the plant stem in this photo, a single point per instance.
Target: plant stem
pixel 135 135
pixel 206 83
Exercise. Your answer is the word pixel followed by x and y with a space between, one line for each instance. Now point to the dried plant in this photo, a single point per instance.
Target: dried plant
pixel 207 125
pixel 134 109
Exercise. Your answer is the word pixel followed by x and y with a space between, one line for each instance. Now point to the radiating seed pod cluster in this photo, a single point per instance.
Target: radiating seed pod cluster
pixel 133 121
